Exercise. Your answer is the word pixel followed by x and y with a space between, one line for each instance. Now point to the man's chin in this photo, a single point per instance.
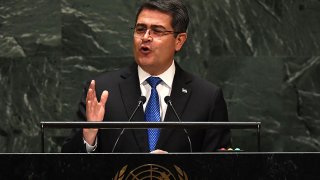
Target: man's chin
pixel 145 62
pixel 150 68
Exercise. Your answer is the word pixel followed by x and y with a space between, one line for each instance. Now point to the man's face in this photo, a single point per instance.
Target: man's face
pixel 153 53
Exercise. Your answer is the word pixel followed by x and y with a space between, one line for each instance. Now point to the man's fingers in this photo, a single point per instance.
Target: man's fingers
pixel 92 84
pixel 88 104
pixel 104 98
pixel 91 94
pixel 159 151
pixel 94 109
pixel 93 87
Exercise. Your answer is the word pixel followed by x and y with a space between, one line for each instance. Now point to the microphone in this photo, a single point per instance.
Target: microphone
pixel 141 101
pixel 167 99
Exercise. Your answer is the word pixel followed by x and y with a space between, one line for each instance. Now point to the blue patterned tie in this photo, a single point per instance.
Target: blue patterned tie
pixel 152 113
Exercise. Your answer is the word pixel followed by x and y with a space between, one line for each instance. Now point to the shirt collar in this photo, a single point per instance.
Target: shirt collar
pixel 167 76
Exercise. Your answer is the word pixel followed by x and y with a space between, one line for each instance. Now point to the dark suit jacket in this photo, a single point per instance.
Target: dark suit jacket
pixel 202 102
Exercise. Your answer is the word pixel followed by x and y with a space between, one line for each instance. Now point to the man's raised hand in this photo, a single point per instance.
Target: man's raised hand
pixel 94 111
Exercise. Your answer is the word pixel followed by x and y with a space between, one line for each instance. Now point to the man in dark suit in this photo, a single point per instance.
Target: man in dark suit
pixel 159 32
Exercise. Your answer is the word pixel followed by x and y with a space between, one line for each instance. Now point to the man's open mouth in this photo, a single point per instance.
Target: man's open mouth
pixel 145 49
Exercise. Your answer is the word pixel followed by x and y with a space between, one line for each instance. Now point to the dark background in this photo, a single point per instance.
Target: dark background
pixel 263 53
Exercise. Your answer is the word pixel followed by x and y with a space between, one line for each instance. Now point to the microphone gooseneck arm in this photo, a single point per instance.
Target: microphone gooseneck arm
pixel 141 101
pixel 167 99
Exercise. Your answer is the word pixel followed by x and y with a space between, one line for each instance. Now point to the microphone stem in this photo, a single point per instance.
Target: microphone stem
pixel 175 112
pixel 134 112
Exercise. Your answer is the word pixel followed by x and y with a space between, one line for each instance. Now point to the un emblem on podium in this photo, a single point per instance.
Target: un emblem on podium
pixel 151 171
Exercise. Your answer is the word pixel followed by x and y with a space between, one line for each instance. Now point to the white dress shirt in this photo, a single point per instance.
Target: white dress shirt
pixel 164 89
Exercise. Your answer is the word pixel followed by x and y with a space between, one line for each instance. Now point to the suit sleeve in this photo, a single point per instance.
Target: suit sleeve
pixel 75 143
pixel 216 138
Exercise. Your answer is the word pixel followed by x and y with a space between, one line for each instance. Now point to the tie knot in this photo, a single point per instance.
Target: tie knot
pixel 154 81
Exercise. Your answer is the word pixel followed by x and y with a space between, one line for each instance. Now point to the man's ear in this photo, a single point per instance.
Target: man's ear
pixel 180 40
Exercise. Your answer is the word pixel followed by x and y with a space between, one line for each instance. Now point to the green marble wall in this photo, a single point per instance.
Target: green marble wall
pixel 263 53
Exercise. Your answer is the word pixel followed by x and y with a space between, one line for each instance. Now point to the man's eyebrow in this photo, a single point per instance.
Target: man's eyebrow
pixel 157 26
pixel 152 26
pixel 140 24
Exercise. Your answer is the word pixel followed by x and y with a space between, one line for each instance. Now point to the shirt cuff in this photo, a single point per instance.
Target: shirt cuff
pixel 90 148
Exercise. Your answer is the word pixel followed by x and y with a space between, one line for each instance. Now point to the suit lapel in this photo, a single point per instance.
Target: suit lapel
pixel 130 93
pixel 180 94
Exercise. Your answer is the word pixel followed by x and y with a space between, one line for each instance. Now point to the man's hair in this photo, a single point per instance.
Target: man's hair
pixel 175 8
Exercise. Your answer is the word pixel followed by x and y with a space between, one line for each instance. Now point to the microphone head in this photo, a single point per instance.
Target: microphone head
pixel 167 99
pixel 142 99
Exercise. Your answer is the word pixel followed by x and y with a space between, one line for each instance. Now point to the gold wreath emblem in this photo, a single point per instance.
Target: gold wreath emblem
pixel 151 171
pixel 120 174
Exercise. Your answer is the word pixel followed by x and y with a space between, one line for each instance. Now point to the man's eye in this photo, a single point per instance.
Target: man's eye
pixel 158 31
pixel 140 29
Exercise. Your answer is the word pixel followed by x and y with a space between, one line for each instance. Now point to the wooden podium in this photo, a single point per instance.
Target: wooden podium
pixel 193 166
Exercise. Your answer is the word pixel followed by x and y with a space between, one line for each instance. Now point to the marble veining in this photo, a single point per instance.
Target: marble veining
pixel 263 53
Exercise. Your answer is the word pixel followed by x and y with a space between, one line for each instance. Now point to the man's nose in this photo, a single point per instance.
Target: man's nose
pixel 147 35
